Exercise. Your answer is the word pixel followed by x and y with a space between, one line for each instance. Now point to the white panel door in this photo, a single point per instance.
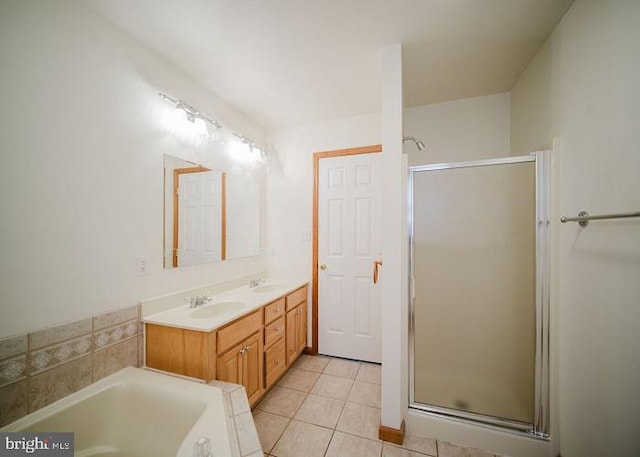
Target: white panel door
pixel 199 217
pixel 348 244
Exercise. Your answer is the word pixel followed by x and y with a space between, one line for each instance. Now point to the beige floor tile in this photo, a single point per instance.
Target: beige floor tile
pixel 365 393
pixel 302 439
pixel 342 368
pixel 419 444
pixel 344 445
pixel 391 450
pixel 282 401
pixel 360 420
pixel 450 450
pixel 270 428
pixel 370 372
pixel 332 387
pixel 311 362
pixel 320 411
pixel 299 379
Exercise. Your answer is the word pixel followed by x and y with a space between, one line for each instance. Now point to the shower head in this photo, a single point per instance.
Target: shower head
pixel 419 144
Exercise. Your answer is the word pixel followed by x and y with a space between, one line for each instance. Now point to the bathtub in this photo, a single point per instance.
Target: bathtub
pixel 137 413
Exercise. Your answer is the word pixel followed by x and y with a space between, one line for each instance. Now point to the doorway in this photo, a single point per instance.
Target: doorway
pixel 346 251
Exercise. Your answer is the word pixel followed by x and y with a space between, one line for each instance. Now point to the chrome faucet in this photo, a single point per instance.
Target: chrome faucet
pixel 256 282
pixel 194 302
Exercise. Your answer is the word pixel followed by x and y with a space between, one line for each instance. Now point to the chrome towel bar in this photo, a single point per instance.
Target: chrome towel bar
pixel 583 217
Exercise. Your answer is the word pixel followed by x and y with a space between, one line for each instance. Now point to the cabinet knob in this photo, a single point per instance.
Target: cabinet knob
pixel 278 362
pixel 277 309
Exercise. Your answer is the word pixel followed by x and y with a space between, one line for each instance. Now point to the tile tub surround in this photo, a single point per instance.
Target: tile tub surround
pixel 46 365
pixel 331 408
pixel 242 431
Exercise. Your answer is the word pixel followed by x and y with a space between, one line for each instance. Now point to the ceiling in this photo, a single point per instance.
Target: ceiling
pixel 288 62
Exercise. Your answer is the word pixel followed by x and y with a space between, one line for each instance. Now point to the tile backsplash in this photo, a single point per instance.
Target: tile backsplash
pixel 46 365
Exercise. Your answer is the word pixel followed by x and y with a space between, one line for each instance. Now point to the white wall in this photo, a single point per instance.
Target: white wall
pixel 290 185
pixel 83 136
pixel 588 74
pixel 461 130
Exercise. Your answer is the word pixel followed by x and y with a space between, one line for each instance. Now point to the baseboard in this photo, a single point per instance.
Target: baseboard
pixel 392 435
pixel 309 351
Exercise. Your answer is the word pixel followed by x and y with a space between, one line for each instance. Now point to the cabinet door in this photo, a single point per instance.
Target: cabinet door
pixel 251 361
pixel 292 331
pixel 301 327
pixel 230 365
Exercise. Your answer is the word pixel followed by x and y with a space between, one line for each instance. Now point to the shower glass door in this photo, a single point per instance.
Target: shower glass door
pixel 474 311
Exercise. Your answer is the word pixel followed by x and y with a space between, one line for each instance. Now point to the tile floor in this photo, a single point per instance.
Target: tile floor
pixel 329 407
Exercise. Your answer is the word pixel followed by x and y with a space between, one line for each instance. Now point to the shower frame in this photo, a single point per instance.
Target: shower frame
pixel 540 426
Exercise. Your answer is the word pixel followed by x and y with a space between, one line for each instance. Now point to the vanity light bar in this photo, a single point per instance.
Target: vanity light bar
pixel 253 145
pixel 191 112
pixel 194 113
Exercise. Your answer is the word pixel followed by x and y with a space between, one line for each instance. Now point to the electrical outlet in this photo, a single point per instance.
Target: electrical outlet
pixel 142 265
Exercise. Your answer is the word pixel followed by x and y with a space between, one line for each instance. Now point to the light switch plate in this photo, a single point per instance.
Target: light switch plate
pixel 142 265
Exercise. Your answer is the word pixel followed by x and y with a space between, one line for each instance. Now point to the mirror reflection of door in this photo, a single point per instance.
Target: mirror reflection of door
pixel 197 234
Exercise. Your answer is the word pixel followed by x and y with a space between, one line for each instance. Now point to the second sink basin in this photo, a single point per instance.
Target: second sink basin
pixel 268 288
pixel 216 309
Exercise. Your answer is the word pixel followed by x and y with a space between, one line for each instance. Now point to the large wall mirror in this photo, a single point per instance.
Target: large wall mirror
pixel 209 215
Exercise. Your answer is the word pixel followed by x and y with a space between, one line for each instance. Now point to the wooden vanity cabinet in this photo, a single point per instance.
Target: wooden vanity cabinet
pixel 255 350
pixel 242 364
pixel 296 323
pixel 240 354
pixel 186 352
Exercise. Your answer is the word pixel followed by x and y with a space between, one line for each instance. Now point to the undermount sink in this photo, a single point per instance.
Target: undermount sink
pixel 268 288
pixel 216 309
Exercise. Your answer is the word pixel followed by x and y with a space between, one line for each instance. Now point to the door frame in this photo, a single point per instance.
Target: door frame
pixel 317 156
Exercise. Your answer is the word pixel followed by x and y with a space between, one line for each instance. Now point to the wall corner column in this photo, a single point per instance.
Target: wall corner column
pixel 394 245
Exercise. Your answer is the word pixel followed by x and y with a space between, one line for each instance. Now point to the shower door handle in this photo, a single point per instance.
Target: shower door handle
pixel 376 265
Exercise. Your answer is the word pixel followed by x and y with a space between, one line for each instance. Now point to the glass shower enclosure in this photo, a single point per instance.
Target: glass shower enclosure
pixel 479 291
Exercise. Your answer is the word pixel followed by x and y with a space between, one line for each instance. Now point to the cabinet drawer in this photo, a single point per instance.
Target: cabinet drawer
pixel 296 297
pixel 238 331
pixel 273 310
pixel 274 332
pixel 274 362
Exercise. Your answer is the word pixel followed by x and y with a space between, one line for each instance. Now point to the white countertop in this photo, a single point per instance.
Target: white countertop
pixel 224 307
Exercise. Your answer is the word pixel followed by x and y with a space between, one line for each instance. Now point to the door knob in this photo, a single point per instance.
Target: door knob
pixel 323 266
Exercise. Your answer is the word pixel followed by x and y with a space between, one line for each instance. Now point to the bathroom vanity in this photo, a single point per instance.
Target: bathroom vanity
pixel 247 336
